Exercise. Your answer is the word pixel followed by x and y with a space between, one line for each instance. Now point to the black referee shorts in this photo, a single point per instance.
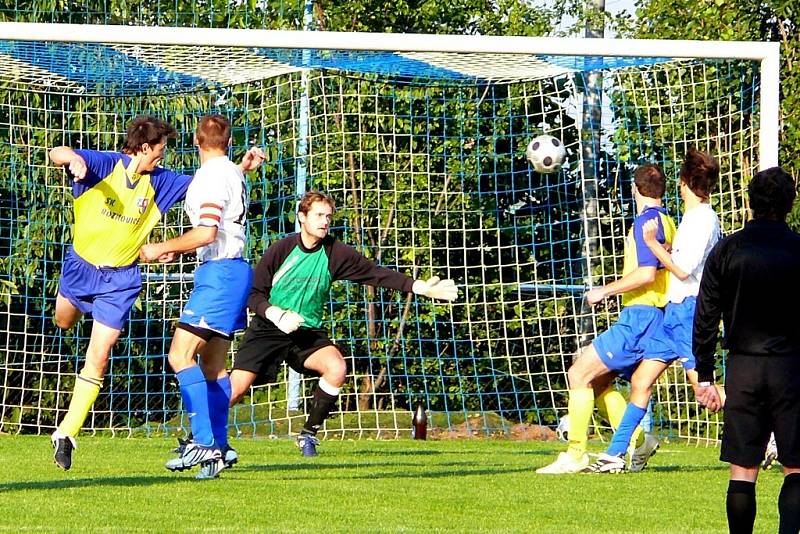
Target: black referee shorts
pixel 264 347
pixel 763 396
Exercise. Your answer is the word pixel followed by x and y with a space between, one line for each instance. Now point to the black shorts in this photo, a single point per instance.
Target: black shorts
pixel 763 396
pixel 264 347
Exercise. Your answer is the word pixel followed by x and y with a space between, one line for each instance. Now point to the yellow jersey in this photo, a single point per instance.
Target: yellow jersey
pixel 638 254
pixel 115 210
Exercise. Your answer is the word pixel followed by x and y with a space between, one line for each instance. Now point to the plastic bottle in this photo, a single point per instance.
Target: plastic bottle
pixel 419 422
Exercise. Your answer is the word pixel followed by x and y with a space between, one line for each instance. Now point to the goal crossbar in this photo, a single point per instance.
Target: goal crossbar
pixel 766 53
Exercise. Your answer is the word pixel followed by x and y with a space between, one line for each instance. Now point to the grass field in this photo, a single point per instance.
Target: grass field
pixel 363 486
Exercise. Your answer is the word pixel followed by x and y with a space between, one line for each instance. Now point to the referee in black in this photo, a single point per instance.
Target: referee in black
pixel 752 281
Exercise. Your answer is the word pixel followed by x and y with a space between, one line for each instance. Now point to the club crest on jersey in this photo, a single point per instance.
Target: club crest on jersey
pixel 142 204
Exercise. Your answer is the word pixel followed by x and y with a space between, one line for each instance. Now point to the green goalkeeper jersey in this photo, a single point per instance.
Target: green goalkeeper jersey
pixel 295 278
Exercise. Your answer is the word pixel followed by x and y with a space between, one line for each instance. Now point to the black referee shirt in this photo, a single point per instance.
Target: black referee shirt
pixel 752 280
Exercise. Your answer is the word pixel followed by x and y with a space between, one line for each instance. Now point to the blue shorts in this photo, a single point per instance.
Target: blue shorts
pixel 219 297
pixel 675 342
pixel 621 347
pixel 107 293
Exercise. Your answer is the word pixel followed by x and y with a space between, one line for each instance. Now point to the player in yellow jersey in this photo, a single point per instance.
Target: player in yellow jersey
pixel 618 350
pixel 119 198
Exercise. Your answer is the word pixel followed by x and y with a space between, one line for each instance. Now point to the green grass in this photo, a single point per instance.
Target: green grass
pixel 363 486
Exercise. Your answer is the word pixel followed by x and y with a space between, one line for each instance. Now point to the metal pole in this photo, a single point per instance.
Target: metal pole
pixel 591 121
pixel 301 173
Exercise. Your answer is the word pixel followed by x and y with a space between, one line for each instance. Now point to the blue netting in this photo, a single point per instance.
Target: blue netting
pixel 104 70
pixel 98 68
pixel 381 63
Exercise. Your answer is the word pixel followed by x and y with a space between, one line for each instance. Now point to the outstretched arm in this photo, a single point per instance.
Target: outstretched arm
pixel 65 156
pixel 191 240
pixel 349 264
pixel 633 280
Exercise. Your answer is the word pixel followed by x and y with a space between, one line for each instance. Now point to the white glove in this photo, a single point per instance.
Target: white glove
pixel 436 288
pixel 287 321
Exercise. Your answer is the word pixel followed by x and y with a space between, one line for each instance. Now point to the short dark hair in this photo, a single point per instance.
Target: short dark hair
pixel 145 129
pixel 772 193
pixel 213 131
pixel 314 196
pixel 700 172
pixel 650 180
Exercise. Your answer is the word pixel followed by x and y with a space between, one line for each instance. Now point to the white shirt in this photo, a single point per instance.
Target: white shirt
pixel 697 234
pixel 217 197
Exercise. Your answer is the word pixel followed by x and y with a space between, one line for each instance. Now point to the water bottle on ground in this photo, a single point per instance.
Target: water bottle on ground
pixel 419 423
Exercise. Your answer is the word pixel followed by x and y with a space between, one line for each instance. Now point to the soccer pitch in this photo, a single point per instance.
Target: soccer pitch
pixel 476 485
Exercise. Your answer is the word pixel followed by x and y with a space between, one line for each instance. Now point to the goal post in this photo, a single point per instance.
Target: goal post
pixel 420 139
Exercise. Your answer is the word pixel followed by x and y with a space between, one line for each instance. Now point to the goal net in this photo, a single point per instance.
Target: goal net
pixel 421 141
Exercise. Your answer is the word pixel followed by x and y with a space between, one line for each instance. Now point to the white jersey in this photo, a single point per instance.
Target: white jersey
pixel 697 234
pixel 217 197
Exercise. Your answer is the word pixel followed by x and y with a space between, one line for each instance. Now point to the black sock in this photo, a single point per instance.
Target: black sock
pixel 789 504
pixel 322 406
pixel 741 506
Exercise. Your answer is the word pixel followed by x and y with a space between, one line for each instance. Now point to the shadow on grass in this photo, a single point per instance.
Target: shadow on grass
pixel 90 482
pixel 315 470
pixel 686 468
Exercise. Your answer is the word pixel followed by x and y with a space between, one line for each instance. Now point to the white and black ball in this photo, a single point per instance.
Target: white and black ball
pixel 546 153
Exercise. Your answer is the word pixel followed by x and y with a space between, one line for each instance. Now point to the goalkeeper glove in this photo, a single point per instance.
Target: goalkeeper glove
pixel 436 288
pixel 287 321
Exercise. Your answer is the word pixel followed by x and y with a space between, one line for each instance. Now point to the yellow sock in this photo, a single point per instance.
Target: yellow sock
pixel 638 437
pixel 579 408
pixel 83 396
pixel 612 405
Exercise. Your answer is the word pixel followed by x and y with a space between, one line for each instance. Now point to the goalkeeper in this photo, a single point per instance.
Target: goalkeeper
pixel 291 285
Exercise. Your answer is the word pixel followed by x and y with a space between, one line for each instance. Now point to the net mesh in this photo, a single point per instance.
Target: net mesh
pixel 424 155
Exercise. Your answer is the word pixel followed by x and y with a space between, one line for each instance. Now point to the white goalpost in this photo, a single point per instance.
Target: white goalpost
pixel 421 140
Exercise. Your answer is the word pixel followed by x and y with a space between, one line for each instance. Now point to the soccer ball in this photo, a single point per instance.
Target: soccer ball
pixel 546 153
pixel 562 430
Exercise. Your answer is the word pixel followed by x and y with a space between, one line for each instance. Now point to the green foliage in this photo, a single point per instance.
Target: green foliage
pixel 740 20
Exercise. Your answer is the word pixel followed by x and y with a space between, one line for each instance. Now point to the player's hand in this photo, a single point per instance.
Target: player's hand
pixel 596 295
pixel 77 168
pixel 287 321
pixel 708 396
pixel 166 257
pixel 252 159
pixel 649 230
pixel 151 252
pixel 436 288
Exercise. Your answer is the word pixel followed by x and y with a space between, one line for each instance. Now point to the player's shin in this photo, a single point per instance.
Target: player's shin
pixel 789 504
pixel 219 397
pixel 194 393
pixel 580 407
pixel 626 429
pixel 83 396
pixel 325 396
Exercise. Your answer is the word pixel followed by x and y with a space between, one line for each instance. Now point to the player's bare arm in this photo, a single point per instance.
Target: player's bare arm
pixel 637 278
pixel 659 251
pixel 191 240
pixel 66 157
pixel 252 159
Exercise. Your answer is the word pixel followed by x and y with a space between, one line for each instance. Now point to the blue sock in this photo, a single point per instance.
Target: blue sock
pixel 622 437
pixel 195 398
pixel 219 398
